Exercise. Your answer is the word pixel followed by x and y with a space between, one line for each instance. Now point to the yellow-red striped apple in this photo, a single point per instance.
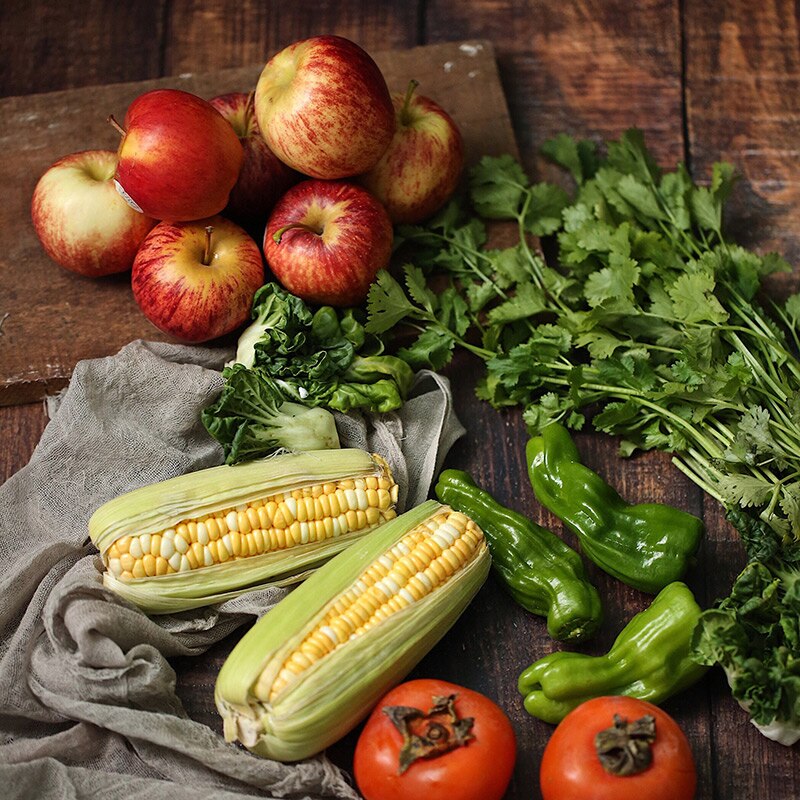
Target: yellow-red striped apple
pixel 196 280
pixel 420 169
pixel 324 108
pixel 179 158
pixel 326 240
pixel 80 219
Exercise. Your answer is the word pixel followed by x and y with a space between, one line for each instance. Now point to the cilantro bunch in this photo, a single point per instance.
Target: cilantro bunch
pixel 647 317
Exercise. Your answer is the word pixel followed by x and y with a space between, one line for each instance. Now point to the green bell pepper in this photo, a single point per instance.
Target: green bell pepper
pixel 646 546
pixel 542 573
pixel 651 659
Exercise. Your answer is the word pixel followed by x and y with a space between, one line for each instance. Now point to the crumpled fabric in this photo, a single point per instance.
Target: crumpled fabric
pixel 88 706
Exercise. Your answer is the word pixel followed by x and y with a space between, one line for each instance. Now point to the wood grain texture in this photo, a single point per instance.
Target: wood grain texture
pixel 100 314
pixel 743 106
pixel 20 429
pixel 52 46
pixel 590 68
pixel 249 33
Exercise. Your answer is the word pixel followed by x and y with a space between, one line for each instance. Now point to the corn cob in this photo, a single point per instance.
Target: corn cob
pixel 313 666
pixel 207 536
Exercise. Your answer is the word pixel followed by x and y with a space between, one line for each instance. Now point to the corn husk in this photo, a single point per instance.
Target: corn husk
pixel 157 506
pixel 338 690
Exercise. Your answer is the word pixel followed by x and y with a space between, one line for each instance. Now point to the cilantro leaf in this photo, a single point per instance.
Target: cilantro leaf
pixel 433 348
pixel 528 301
pixel 387 304
pixel 616 281
pixel 497 187
pixel 640 197
pixel 579 157
pixel 693 299
pixel 706 209
pixel 418 289
pixel 546 202
pixel 630 155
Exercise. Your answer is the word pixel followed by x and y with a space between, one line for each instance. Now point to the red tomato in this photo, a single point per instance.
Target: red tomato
pixel 479 769
pixel 571 769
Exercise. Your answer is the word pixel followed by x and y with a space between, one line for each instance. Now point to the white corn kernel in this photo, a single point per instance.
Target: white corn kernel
pixel 167 548
pixel 202 533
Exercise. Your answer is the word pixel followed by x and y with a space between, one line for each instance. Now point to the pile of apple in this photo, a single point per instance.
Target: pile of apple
pixel 318 162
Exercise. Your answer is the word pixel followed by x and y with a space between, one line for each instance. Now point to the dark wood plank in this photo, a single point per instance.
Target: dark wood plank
pixel 101 315
pixel 51 46
pixel 590 68
pixel 203 36
pixel 20 429
pixel 743 105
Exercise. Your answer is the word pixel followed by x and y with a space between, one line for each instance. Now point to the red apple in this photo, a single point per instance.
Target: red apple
pixel 81 221
pixel 263 177
pixel 324 107
pixel 179 158
pixel 196 280
pixel 326 240
pixel 421 167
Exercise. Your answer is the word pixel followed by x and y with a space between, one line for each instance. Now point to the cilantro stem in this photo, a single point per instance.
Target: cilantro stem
pixel 757 367
pixel 463 343
pixel 787 323
pixel 696 478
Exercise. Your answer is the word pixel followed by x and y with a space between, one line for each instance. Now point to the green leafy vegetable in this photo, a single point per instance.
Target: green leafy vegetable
pixel 754 635
pixel 251 418
pixel 291 364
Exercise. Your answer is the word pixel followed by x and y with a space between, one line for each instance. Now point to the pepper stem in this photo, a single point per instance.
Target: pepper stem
pixel 625 748
pixel 207 251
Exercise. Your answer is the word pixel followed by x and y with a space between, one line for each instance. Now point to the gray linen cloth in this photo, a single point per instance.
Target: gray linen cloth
pixel 87 695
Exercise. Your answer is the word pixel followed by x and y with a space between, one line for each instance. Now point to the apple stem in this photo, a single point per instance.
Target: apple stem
pixel 405 116
pixel 278 235
pixel 120 130
pixel 207 253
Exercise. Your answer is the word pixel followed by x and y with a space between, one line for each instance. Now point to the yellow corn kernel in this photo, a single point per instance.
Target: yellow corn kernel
pixel 424 559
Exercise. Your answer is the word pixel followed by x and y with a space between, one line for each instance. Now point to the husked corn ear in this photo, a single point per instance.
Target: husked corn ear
pixel 200 538
pixel 312 667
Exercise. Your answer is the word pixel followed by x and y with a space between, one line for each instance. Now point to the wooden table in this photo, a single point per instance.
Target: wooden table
pixel 704 79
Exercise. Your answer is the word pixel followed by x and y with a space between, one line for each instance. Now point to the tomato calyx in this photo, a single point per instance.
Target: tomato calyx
pixel 431 734
pixel 624 748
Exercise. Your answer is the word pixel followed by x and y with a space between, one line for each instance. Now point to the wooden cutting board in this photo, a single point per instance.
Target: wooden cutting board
pixel 51 318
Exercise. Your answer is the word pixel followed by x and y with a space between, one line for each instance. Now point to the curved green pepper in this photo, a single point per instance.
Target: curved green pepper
pixel 542 573
pixel 651 659
pixel 645 546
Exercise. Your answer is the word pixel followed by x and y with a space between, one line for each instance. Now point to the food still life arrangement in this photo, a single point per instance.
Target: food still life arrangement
pixel 331 230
